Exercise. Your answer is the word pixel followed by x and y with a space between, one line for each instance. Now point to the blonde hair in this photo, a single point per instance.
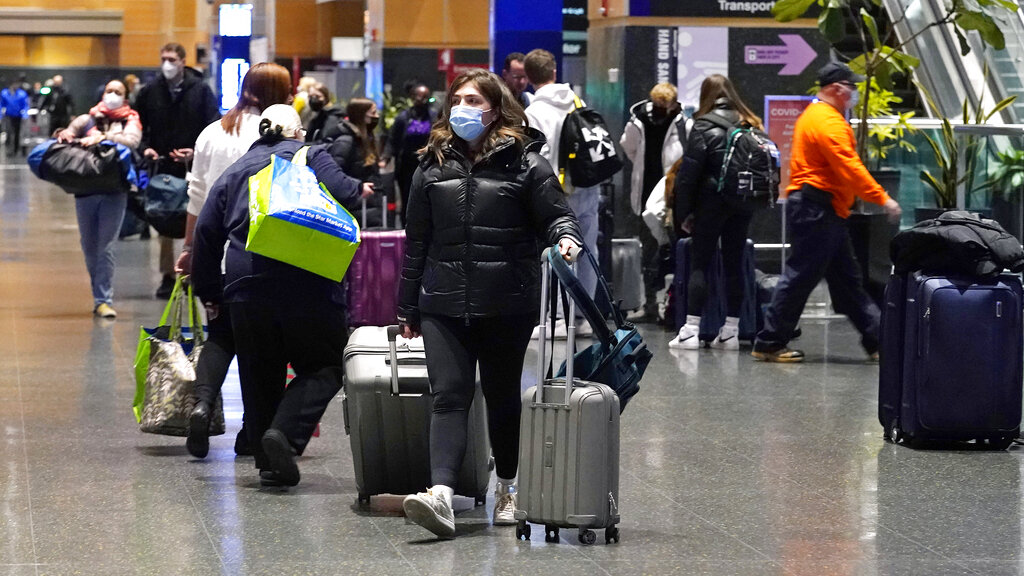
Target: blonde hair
pixel 664 94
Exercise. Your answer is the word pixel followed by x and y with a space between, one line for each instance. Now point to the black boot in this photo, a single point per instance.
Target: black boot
pixel 198 440
pixel 166 287
pixel 242 447
pixel 281 457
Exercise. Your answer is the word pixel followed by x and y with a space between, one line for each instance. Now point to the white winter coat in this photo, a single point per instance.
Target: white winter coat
pixel 547 112
pixel 633 143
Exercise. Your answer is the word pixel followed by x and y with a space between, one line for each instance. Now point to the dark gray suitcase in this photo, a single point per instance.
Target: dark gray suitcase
pixel 568 450
pixel 387 408
pixel 628 272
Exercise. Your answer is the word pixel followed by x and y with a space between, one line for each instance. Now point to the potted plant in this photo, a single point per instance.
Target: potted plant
pixel 882 56
pixel 1007 179
pixel 948 152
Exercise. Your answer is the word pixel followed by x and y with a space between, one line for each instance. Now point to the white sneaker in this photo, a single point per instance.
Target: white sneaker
pixel 432 511
pixel 687 339
pixel 583 328
pixel 561 332
pixel 505 506
pixel 727 339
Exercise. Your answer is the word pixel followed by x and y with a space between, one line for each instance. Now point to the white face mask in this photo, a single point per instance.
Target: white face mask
pixel 854 99
pixel 170 70
pixel 113 100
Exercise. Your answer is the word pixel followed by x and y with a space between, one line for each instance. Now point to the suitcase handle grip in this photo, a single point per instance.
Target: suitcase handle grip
pixel 570 342
pixel 394 361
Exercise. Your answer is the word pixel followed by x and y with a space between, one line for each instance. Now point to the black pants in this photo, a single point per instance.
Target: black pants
pixel 453 351
pixel 218 351
pixel 14 137
pixel 404 171
pixel 821 249
pixel 717 218
pixel 270 335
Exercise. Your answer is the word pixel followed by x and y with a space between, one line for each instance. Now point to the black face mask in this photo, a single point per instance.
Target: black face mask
pixel 316 104
pixel 371 124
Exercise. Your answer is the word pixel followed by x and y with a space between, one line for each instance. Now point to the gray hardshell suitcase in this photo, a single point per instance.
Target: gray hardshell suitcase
pixel 628 272
pixel 387 408
pixel 568 450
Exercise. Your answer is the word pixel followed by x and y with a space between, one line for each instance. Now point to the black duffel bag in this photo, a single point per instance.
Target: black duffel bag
pixel 164 201
pixel 83 169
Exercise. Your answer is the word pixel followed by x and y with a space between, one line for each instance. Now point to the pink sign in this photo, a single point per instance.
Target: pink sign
pixel 781 113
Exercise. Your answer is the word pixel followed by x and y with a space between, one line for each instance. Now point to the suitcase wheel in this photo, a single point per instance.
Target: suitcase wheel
pixel 364 499
pixel 611 534
pixel 551 533
pixel 587 537
pixel 523 530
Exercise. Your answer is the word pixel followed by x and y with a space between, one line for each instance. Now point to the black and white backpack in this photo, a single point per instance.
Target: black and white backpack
pixel 585 148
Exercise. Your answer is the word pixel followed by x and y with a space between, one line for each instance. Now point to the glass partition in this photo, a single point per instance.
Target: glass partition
pixel 990 172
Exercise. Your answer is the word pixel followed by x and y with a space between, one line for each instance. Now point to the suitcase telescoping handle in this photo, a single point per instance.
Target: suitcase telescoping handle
pixel 383 212
pixel 394 362
pixel 570 324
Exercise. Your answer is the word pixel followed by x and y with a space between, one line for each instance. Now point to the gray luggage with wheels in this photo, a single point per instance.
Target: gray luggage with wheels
pixel 387 408
pixel 628 272
pixel 568 450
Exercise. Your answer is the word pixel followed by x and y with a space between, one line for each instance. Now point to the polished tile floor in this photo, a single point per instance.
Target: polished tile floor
pixel 728 467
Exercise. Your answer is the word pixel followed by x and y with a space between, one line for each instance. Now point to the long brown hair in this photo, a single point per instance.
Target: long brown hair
pixel 508 123
pixel 264 85
pixel 717 86
pixel 356 112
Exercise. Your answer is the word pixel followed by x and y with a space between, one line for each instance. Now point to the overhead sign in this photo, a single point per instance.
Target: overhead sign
pixel 780 114
pixel 794 54
pixel 701 8
pixel 665 55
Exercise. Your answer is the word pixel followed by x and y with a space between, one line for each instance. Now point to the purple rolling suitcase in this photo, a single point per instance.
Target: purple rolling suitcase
pixel 952 359
pixel 374 275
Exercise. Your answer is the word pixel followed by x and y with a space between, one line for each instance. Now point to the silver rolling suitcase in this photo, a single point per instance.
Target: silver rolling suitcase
pixel 387 408
pixel 568 450
pixel 628 272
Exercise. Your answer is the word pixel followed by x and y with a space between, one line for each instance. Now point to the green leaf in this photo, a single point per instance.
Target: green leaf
pixel 871 25
pixel 830 23
pixel 965 48
pixel 789 10
pixel 1000 106
pixel 985 25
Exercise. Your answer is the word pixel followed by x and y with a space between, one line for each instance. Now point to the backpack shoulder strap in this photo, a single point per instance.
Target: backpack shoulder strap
pixel 300 156
pixel 719 121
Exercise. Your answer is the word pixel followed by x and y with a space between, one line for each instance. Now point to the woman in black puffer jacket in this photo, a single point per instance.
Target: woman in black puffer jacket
pixel 707 214
pixel 482 201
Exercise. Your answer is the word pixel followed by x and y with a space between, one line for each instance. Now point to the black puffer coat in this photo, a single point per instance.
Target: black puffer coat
pixel 475 231
pixel 702 162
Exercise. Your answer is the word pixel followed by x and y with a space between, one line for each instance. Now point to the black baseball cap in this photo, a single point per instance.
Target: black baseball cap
pixel 837 72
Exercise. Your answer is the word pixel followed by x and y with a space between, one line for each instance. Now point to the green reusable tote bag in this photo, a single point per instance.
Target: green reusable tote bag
pixel 293 219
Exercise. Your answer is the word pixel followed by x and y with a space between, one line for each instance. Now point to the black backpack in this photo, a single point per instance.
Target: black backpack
pixel 586 149
pixel 752 167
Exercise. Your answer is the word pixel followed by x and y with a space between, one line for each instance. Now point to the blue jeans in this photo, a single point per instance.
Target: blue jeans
pixel 584 203
pixel 99 221
pixel 821 249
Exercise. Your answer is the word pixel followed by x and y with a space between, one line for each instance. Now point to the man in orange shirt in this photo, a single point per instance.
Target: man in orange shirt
pixel 826 177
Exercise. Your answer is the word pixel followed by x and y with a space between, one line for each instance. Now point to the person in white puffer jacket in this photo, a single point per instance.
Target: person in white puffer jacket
pixel 546 112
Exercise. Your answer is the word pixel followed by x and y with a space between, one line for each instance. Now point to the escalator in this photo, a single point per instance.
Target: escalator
pixel 949 77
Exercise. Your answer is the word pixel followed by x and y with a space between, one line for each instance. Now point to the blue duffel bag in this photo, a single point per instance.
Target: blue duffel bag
pixel 619 357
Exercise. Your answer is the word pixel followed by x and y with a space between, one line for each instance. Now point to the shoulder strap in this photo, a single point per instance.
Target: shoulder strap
pixel 719 121
pixel 300 156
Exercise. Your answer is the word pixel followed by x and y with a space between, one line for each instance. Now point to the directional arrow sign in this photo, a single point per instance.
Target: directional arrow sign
pixel 795 53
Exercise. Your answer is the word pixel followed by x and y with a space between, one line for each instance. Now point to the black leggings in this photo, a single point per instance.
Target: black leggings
pixel 717 218
pixel 453 351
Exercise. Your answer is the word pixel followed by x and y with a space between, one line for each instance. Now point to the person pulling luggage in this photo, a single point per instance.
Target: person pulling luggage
pixel 470 285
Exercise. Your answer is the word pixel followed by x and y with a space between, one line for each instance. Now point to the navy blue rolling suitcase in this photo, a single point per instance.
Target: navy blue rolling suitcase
pixel 952 359
pixel 713 316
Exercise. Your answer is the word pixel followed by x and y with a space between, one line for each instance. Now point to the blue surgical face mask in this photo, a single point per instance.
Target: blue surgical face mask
pixel 467 122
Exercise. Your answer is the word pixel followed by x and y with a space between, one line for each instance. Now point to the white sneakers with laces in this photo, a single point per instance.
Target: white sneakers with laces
pixel 687 339
pixel 689 336
pixel 432 510
pixel 505 501
pixel 727 339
